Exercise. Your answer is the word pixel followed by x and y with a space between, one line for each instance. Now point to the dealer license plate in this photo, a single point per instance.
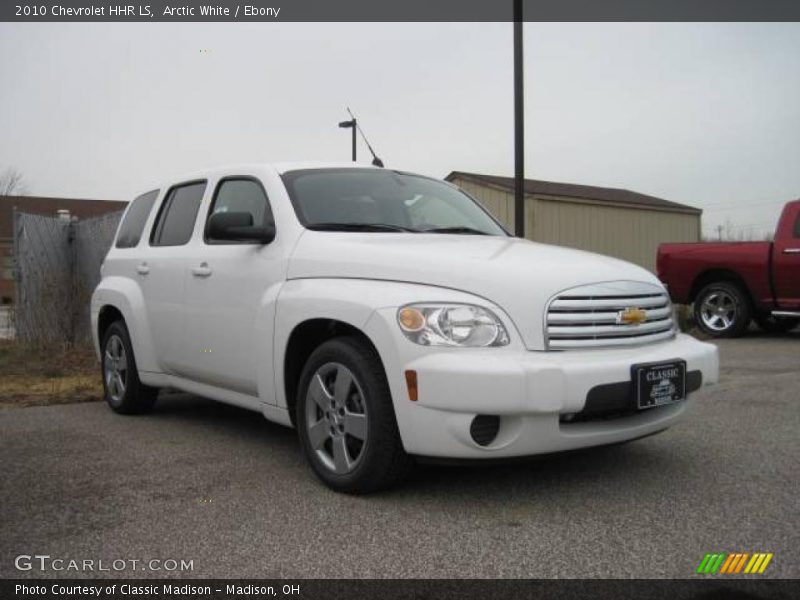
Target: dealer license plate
pixel 657 384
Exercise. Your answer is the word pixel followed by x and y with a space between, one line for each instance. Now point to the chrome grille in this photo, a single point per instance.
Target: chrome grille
pixel 589 316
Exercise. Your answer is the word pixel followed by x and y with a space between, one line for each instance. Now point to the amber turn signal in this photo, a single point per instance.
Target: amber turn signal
pixel 411 319
pixel 411 383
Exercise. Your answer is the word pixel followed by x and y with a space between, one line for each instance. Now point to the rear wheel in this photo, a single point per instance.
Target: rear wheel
pixel 722 309
pixel 124 392
pixel 772 324
pixel 346 420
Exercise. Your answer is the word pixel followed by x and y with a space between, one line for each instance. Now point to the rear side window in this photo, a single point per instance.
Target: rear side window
pixel 130 232
pixel 797 227
pixel 178 213
pixel 240 194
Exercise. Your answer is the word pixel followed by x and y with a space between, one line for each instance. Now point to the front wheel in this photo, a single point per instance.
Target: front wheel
pixel 346 420
pixel 124 392
pixel 722 309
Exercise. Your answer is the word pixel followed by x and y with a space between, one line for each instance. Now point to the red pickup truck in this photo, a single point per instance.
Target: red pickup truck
pixel 731 283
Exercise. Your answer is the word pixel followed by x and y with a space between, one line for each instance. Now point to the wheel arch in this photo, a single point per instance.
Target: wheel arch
pixel 119 297
pixel 719 275
pixel 306 337
pixel 107 315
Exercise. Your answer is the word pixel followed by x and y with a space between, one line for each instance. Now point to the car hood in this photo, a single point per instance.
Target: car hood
pixel 517 275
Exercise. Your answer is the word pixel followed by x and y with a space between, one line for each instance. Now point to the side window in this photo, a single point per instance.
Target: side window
pixel 797 227
pixel 241 195
pixel 130 232
pixel 178 213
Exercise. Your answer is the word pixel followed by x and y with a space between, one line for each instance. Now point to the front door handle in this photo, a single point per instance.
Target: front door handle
pixel 202 271
pixel 791 250
pixel 142 269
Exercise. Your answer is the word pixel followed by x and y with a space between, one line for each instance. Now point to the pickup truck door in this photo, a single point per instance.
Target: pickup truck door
pixel 786 259
pixel 229 300
pixel 159 270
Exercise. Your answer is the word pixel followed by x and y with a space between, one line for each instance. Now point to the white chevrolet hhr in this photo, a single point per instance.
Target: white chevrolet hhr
pixel 385 316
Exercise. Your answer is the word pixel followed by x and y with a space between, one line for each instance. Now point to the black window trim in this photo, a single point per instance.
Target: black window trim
pixel 257 181
pixel 167 200
pixel 144 223
pixel 288 178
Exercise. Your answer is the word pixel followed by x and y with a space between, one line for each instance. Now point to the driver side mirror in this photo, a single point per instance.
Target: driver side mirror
pixel 238 227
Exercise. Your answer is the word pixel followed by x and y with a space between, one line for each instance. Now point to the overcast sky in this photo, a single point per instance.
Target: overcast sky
pixel 705 114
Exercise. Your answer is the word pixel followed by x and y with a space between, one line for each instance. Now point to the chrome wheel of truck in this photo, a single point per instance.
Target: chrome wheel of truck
pixel 718 311
pixel 722 310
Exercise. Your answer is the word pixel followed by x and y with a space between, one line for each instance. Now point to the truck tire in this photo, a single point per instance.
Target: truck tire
pixel 722 309
pixel 122 389
pixel 771 324
pixel 346 419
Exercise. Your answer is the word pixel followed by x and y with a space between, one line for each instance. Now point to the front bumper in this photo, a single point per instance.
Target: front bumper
pixel 534 395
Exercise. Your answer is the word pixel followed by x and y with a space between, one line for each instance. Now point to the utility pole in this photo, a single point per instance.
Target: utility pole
pixel 519 126
pixel 351 125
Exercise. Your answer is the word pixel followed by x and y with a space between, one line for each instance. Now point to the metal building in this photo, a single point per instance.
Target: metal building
pixel 610 221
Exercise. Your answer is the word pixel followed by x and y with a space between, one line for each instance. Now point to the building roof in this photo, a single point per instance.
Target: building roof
pixel 50 206
pixel 572 190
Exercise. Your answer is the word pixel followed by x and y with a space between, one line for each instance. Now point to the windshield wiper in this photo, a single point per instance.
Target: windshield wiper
pixel 468 230
pixel 358 227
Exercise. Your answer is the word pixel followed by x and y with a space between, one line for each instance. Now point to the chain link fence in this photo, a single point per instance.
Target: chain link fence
pixel 57 268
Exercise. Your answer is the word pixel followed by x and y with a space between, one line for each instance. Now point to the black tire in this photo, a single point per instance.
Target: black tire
pixel 737 303
pixel 135 397
pixel 771 324
pixel 382 461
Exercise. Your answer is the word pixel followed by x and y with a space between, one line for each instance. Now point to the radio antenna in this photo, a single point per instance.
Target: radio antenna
pixel 375 160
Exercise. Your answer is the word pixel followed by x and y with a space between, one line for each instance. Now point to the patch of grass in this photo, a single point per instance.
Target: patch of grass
pixel 40 375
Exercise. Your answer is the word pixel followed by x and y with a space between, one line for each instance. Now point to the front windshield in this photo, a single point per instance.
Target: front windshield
pixel 383 200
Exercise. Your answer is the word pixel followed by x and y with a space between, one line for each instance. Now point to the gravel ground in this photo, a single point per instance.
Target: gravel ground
pixel 222 487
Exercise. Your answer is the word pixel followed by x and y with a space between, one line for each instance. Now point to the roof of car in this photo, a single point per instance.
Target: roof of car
pixel 285 167
pixel 243 168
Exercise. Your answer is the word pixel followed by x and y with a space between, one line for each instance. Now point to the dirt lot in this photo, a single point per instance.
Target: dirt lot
pixel 222 487
pixel 35 376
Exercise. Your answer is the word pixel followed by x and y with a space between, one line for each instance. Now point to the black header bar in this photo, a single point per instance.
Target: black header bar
pixel 700 588
pixel 405 10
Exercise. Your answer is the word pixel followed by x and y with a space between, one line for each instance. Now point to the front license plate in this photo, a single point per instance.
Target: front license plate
pixel 657 384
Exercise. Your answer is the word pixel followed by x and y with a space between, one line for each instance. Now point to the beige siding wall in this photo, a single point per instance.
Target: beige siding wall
pixel 629 233
pixel 632 234
pixel 497 202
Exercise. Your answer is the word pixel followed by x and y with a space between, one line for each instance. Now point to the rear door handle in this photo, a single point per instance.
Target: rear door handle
pixel 791 250
pixel 142 269
pixel 202 271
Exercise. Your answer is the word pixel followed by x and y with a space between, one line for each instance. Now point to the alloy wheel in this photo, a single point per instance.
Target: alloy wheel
pixel 115 368
pixel 336 418
pixel 718 311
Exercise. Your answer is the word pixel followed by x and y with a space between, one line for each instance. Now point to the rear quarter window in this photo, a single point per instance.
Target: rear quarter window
pixel 178 214
pixel 130 231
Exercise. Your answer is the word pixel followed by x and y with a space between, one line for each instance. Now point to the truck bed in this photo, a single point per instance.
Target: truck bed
pixel 682 264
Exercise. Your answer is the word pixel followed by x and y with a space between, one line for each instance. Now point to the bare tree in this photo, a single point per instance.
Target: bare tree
pixel 12 183
pixel 728 232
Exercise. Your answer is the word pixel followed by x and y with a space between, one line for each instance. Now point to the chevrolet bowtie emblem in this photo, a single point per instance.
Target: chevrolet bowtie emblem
pixel 631 316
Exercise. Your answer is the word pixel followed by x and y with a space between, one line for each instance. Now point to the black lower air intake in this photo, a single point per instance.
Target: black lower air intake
pixel 484 428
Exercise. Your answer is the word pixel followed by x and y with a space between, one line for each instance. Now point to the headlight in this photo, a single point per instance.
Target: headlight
pixel 451 325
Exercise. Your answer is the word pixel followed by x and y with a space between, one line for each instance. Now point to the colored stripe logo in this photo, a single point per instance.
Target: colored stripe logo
pixel 734 563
